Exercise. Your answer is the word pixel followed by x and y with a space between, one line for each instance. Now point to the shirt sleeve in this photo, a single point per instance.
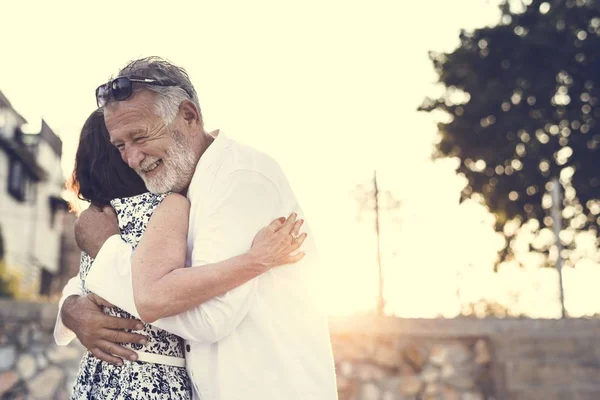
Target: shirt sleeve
pixel 110 275
pixel 63 335
pixel 240 206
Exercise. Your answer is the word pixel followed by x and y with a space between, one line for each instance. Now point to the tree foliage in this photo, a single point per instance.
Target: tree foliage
pixel 523 100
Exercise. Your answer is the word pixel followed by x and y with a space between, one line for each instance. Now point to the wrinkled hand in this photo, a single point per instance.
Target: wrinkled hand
pixel 93 227
pixel 273 245
pixel 99 333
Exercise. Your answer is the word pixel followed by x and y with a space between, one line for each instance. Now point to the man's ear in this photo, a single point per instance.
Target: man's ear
pixel 190 113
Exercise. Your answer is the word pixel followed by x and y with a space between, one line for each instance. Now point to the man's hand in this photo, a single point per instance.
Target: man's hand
pixel 93 227
pixel 98 332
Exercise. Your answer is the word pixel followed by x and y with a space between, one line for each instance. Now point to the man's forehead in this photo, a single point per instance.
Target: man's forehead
pixel 126 124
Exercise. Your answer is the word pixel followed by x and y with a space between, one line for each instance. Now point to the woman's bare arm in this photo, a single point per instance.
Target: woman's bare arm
pixel 162 287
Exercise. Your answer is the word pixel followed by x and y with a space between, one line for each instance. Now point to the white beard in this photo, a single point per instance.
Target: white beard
pixel 176 171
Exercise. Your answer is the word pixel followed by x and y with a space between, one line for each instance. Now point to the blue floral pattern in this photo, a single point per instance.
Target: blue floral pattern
pixel 134 380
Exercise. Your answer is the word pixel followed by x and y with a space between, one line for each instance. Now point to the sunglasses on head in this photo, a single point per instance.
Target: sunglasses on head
pixel 121 88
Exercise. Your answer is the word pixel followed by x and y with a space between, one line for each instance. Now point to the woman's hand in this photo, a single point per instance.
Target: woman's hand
pixel 274 244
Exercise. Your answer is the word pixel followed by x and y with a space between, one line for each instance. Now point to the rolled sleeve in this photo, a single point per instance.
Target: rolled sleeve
pixel 63 335
pixel 110 275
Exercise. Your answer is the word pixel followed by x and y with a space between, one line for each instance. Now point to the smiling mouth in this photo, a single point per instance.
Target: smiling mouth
pixel 152 167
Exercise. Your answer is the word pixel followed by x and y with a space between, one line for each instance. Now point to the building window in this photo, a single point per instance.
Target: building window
pixel 57 204
pixel 45 282
pixel 17 180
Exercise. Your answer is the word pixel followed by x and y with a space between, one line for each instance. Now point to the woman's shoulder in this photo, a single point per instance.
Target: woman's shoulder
pixel 175 200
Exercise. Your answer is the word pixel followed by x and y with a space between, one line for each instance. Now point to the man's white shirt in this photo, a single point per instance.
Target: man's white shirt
pixel 267 339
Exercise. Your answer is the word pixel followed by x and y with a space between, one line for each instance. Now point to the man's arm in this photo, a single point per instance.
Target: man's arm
pixel 239 207
pixel 82 315
pixel 163 288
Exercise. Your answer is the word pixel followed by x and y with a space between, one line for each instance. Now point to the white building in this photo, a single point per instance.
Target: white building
pixel 31 207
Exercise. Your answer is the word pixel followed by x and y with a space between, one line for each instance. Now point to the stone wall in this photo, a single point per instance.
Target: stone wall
pixel 31 365
pixel 466 359
pixel 376 358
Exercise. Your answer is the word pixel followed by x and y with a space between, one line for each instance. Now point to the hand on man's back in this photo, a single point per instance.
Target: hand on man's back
pixel 101 334
pixel 93 227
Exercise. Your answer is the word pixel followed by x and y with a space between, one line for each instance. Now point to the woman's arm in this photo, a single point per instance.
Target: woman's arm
pixel 162 287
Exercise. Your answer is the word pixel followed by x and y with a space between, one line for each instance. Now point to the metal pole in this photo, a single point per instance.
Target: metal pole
pixel 380 301
pixel 557 227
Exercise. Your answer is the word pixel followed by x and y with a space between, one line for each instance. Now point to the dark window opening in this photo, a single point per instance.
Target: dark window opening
pixel 45 282
pixel 17 180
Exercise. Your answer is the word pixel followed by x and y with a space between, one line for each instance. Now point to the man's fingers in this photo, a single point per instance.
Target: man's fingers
pixel 117 350
pixel 117 336
pixel 123 323
pixel 96 352
pixel 99 300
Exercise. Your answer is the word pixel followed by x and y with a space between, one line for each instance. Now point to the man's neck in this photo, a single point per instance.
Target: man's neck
pixel 207 139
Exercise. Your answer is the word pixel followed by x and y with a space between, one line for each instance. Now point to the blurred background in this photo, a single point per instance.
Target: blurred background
pixel 446 153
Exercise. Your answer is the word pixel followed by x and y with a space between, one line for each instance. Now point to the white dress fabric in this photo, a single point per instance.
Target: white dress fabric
pixel 134 380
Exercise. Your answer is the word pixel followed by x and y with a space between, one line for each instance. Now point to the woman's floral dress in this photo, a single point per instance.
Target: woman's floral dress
pixel 135 379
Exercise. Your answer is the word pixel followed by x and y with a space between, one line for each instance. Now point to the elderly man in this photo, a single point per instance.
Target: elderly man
pixel 266 339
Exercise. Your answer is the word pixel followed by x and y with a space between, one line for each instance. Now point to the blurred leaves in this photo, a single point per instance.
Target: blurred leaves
pixel 522 98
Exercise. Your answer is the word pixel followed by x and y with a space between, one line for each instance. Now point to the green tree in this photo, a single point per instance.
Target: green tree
pixel 523 100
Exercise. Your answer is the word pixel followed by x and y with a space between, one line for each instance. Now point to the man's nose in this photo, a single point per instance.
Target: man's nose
pixel 133 157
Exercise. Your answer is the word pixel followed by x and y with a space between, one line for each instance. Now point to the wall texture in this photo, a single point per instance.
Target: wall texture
pixel 376 358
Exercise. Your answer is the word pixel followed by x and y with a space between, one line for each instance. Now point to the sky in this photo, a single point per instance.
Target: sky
pixel 330 89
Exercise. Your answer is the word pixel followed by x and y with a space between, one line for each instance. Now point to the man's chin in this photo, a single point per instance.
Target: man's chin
pixel 158 188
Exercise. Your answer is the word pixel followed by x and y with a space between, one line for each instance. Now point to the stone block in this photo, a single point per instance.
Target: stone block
pixel 23 337
pixel 8 380
pixel 8 355
pixel 345 369
pixel 389 396
pixel 472 396
pixel 430 374
pixel 449 353
pixel 575 348
pixel 461 377
pixel 433 389
pixel 482 352
pixel 416 357
pixel 386 356
pixel 370 391
pixel 450 393
pixel 42 361
pixel 556 394
pixel 526 373
pixel 26 366
pixel 369 372
pixel 46 384
pixel 59 354
pixel 405 385
pixel 347 388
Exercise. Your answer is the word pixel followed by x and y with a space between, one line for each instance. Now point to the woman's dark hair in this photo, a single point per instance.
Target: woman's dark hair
pixel 100 174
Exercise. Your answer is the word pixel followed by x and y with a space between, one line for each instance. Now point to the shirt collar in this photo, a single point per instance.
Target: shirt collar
pixel 213 152
pixel 208 159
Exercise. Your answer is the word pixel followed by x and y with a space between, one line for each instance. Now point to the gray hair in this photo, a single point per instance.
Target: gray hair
pixel 169 97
